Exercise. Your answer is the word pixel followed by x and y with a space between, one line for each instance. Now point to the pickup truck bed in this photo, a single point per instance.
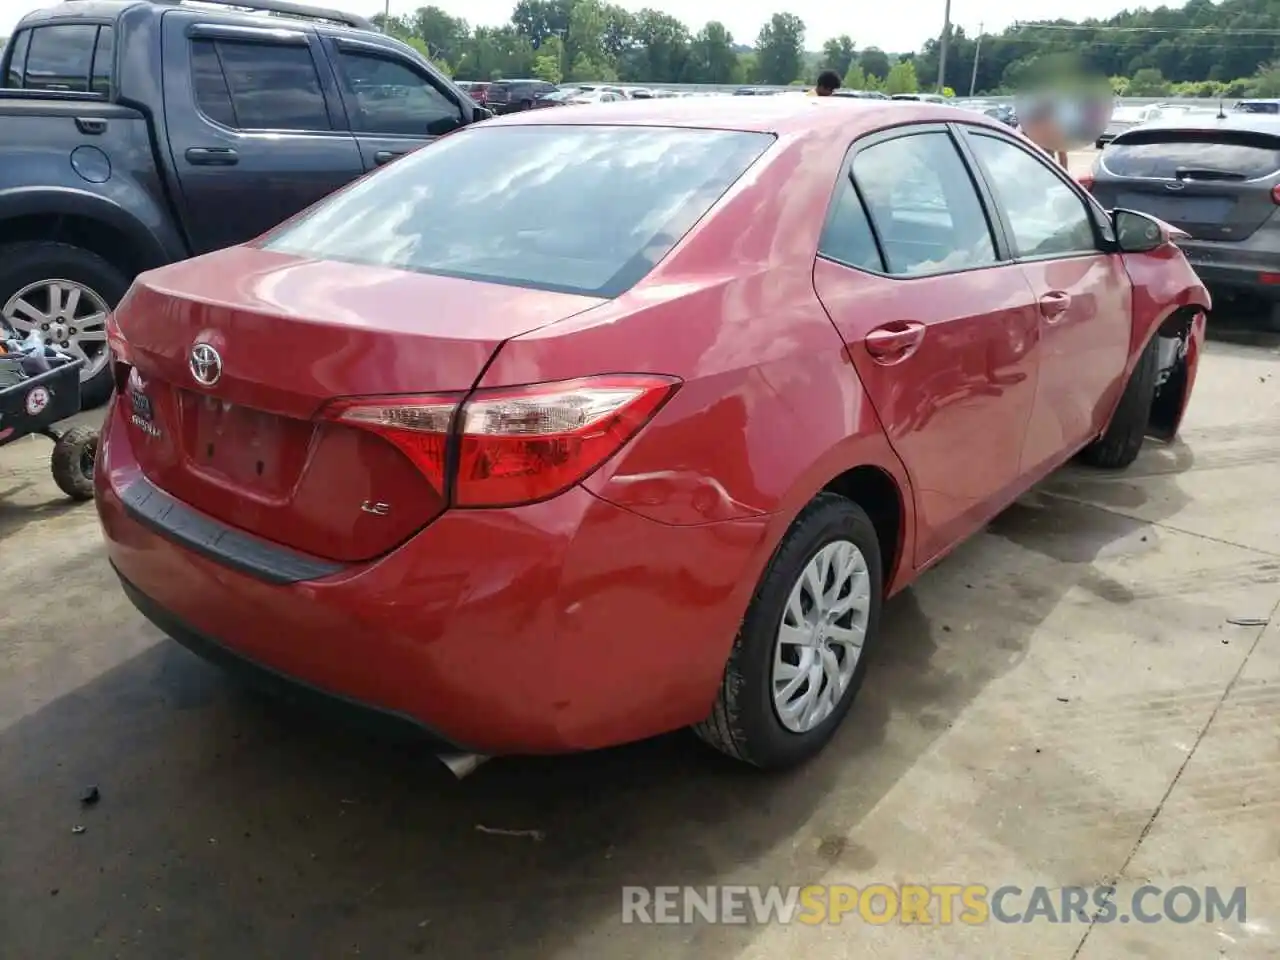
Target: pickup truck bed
pixel 215 127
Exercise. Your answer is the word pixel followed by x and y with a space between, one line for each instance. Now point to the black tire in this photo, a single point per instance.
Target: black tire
pixel 1120 444
pixel 22 264
pixel 744 723
pixel 73 456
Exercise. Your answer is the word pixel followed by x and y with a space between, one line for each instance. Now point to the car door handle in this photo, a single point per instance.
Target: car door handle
pixel 212 157
pixel 386 156
pixel 1054 305
pixel 895 341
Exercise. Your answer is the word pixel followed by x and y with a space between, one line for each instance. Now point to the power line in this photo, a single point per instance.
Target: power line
pixel 1105 28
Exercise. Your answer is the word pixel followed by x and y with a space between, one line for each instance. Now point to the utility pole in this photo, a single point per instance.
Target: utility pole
pixel 942 50
pixel 977 52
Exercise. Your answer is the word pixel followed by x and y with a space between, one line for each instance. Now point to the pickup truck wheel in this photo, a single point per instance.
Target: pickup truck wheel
pixel 797 662
pixel 63 294
pixel 1120 445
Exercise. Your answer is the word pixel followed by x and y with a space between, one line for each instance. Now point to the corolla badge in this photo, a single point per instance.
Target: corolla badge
pixel 205 364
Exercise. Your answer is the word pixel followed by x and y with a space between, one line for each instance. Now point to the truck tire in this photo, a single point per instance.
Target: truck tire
pixel 786 645
pixel 28 275
pixel 72 464
pixel 1120 444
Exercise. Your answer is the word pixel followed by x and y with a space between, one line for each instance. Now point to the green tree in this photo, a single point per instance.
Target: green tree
pixel 446 37
pixel 854 78
pixel 540 20
pixel 711 56
pixel 874 63
pixel 546 67
pixel 1148 82
pixel 902 78
pixel 1266 82
pixel 585 39
pixel 661 49
pixel 780 49
pixel 838 54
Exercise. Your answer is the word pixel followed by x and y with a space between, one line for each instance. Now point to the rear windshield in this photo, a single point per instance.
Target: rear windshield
pixel 577 209
pixel 1160 155
pixel 1258 106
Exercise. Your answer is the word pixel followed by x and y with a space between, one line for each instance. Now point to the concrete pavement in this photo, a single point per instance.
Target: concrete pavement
pixel 1063 701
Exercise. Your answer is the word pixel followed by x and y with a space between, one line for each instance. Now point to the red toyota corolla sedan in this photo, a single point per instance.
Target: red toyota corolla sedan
pixel 580 426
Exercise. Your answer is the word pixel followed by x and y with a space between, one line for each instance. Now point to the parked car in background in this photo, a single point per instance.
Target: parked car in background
pixel 477 90
pixel 1122 119
pixel 556 98
pixel 601 95
pixel 1218 180
pixel 217 125
pixel 921 97
pixel 1004 112
pixel 639 465
pixel 512 96
pixel 1257 106
pixel 860 94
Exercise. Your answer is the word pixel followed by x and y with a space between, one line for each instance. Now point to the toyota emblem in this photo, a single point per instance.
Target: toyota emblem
pixel 205 364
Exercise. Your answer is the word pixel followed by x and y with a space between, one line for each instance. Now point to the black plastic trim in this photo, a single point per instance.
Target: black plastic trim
pixel 154 508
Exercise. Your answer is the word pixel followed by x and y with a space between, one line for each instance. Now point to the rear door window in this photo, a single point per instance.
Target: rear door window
pixel 390 98
pixel 1161 157
pixel 535 206
pixel 258 86
pixel 924 205
pixel 61 57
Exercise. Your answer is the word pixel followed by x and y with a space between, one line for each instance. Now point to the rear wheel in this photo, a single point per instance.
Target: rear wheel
pixel 797 662
pixel 1120 445
pixel 62 294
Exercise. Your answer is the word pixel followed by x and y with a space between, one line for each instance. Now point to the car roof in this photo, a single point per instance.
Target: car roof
pixel 1248 122
pixel 754 114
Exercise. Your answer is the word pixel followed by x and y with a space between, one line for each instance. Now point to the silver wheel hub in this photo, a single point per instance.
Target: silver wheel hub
pixel 820 637
pixel 62 314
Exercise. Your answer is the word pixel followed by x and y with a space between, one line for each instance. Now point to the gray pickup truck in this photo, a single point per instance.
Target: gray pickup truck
pixel 140 132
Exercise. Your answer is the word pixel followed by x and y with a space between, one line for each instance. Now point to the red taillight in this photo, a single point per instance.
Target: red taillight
pixel 1275 194
pixel 512 445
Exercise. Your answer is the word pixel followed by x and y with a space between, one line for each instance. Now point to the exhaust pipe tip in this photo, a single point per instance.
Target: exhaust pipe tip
pixel 462 764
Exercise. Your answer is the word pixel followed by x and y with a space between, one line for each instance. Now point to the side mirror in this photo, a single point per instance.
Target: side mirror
pixel 481 113
pixel 1140 233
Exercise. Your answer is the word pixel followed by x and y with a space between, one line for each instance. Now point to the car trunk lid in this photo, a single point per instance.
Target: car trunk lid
pixel 290 335
pixel 1216 184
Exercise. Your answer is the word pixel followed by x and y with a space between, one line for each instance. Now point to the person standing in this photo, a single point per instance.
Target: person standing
pixel 1039 123
pixel 828 83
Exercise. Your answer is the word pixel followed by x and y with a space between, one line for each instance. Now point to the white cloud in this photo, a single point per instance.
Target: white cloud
pixel 911 24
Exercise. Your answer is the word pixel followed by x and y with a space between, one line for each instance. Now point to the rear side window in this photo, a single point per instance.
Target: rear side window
pixel 390 98
pixel 577 209
pixel 258 86
pixel 924 205
pixel 73 57
pixel 847 236
pixel 1244 156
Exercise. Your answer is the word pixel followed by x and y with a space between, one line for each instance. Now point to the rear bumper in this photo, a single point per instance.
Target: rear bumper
pixel 566 625
pixel 1235 277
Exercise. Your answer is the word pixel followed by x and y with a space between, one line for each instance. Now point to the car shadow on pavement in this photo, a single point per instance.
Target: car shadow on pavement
pixel 232 825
